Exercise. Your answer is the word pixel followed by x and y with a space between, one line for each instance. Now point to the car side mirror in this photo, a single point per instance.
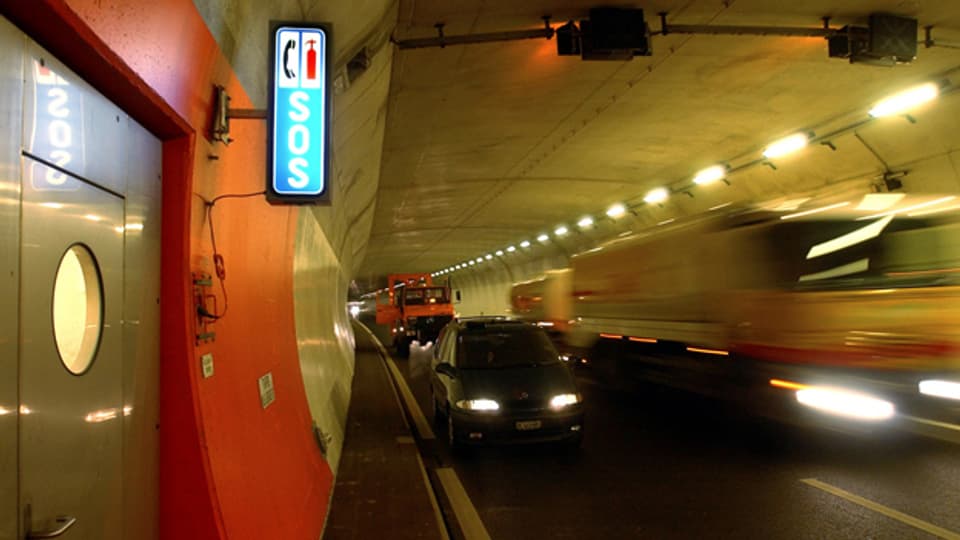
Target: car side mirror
pixel 447 370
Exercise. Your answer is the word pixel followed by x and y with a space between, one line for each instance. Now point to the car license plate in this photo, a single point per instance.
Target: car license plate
pixel 528 425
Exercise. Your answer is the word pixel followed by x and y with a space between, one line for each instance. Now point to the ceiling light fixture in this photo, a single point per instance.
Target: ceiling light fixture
pixel 710 175
pixel 561 230
pixel 525 244
pixel 657 195
pixel 488 256
pixel 585 222
pixel 543 238
pixel 906 100
pixel 617 211
pixel 511 249
pixel 786 145
pixel 499 253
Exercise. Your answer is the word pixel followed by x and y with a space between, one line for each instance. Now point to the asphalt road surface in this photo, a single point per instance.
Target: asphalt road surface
pixel 658 463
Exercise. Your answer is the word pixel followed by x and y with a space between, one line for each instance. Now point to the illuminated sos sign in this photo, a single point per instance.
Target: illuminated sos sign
pixel 299 114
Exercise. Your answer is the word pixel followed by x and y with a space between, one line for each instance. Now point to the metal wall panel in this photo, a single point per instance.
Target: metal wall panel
pixel 11 99
pixel 141 334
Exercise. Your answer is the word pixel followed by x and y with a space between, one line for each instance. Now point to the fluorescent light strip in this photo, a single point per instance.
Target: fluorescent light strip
pixel 852 238
pixel 710 175
pixel 906 100
pixel 786 145
pixel 616 211
pixel 815 210
pixel 657 195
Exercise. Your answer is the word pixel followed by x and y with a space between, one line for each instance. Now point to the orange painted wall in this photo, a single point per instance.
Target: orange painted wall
pixel 228 467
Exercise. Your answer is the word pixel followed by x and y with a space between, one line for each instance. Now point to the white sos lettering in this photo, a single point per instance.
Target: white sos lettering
pixel 298 139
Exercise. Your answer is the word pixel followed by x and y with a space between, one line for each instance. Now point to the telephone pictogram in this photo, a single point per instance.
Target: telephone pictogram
pixel 311 60
pixel 291 45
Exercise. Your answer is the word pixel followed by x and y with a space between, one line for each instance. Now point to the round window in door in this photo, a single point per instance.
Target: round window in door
pixel 77 308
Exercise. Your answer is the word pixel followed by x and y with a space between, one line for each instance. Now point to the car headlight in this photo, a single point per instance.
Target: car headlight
pixel 843 402
pixel 478 405
pixel 564 400
pixel 944 389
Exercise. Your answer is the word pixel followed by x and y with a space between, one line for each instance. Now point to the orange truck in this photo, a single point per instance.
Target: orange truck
pixel 414 308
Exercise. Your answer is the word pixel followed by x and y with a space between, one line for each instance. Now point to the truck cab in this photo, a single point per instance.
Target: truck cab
pixel 415 310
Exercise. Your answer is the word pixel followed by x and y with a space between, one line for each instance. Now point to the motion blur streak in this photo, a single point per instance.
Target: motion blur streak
pixel 787 384
pixel 708 351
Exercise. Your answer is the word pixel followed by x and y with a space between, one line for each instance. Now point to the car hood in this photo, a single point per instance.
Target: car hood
pixel 533 385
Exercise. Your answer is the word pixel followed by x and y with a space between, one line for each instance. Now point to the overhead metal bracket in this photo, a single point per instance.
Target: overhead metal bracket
pixel 788 31
pixel 928 40
pixel 222 114
pixel 442 40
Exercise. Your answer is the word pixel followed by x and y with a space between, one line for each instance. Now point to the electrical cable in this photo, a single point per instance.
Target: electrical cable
pixel 218 262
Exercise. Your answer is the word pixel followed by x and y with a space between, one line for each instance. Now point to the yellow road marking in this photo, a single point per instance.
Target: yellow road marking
pixel 881 509
pixel 466 513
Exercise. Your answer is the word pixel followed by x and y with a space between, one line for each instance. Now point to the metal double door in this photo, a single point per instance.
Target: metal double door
pixel 71 398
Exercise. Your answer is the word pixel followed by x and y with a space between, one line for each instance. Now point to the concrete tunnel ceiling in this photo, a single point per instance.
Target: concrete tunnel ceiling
pixel 490 144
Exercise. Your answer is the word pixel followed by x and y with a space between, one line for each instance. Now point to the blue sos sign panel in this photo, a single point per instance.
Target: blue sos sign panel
pixel 299 115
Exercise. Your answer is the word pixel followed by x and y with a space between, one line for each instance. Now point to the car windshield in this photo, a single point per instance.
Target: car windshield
pixel 495 347
pixel 425 295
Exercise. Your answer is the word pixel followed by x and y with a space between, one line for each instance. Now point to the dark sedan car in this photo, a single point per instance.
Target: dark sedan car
pixel 497 381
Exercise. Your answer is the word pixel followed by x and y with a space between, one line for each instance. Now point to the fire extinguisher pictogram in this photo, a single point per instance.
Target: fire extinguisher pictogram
pixel 311 60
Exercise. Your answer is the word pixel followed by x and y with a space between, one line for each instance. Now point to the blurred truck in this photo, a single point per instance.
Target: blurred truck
pixel 861 294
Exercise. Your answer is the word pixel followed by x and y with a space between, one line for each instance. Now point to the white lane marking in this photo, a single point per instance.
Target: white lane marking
pixel 466 513
pixel 879 508
pixel 433 501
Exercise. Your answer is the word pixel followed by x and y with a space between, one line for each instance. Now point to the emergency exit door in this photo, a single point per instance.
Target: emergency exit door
pixel 71 406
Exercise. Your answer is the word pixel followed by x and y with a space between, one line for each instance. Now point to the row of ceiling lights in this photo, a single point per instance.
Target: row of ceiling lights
pixel 896 104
